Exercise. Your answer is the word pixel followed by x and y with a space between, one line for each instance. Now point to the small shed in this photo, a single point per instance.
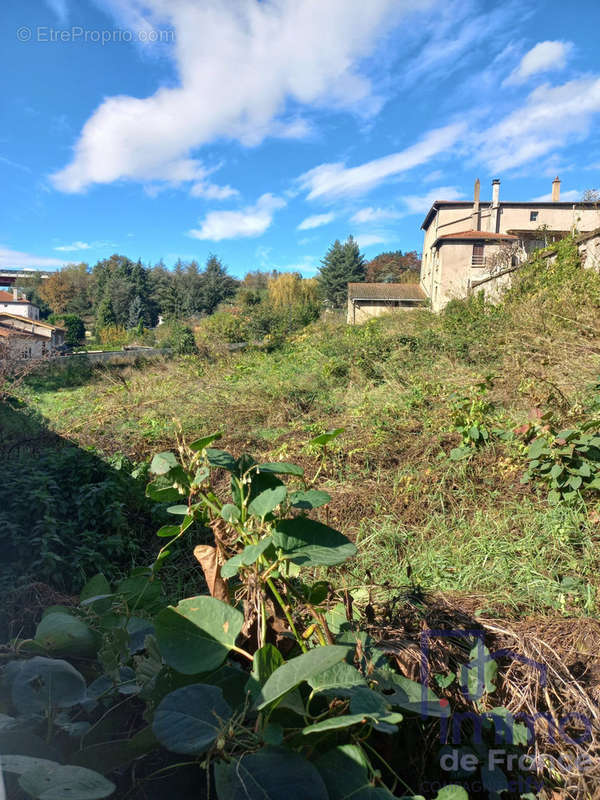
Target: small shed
pixel 366 300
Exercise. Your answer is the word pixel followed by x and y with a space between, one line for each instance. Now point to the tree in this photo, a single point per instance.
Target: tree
pixel 591 196
pixel 73 325
pixel 216 284
pixel 105 314
pixel 291 289
pixel 394 267
pixel 342 264
pixel 136 313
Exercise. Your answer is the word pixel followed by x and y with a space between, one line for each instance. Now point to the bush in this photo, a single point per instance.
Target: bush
pixel 177 336
pixel 74 326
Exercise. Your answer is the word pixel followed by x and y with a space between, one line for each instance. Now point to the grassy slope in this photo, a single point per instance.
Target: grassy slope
pixel 468 526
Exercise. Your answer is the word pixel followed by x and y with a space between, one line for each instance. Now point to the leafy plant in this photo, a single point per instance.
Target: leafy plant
pixel 472 416
pixel 567 461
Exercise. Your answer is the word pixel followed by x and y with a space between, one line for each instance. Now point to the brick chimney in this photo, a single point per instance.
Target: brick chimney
pixel 556 190
pixel 476 216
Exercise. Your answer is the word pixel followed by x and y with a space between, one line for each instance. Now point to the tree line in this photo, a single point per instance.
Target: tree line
pixel 126 294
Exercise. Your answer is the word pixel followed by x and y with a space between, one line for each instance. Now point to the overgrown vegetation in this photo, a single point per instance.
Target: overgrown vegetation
pixel 462 459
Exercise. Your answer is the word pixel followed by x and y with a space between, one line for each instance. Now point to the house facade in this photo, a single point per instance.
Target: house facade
pixel 16 303
pixel 465 242
pixel 29 338
pixel 367 300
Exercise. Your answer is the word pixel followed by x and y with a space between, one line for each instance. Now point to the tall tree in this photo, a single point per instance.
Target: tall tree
pixel 217 285
pixel 343 264
pixel 105 314
pixel 136 313
pixel 394 267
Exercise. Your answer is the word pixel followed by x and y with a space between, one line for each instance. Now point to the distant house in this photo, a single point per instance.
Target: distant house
pixel 15 303
pixel 465 243
pixel 366 300
pixel 29 338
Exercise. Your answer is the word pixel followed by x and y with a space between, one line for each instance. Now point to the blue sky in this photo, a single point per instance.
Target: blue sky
pixel 263 130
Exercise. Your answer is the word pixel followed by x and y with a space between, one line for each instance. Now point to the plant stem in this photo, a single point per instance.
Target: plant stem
pixel 285 610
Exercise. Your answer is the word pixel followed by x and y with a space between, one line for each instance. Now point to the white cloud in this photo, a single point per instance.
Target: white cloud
pixel 211 191
pixel 551 118
pixel 420 204
pixel 250 221
pixel 566 197
pixel 544 57
pixel 239 65
pixel 69 248
pixel 367 239
pixel 59 7
pixel 370 214
pixel 316 221
pixel 334 180
pixel 16 258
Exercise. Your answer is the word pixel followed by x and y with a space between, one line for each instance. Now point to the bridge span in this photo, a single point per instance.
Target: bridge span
pixel 9 276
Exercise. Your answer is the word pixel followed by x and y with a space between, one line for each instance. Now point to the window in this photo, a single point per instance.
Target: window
pixel 533 215
pixel 477 260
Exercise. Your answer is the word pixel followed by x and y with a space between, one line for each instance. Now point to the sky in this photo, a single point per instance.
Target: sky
pixel 263 130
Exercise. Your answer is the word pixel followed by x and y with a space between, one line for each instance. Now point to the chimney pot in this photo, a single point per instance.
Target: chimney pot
pixel 495 192
pixel 556 190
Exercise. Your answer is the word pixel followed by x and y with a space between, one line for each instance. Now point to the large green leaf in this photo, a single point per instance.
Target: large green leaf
pixel 401 692
pixel 163 463
pixel 345 770
pixel 299 669
pixel 327 437
pixel 95 587
pixel 57 782
pixel 312 498
pixel 220 458
pixel 201 444
pixel 65 634
pixel 197 635
pixel 338 680
pixel 249 555
pixel 272 773
pixel 267 501
pixel 281 468
pixel 190 719
pixel 310 543
pixel 44 683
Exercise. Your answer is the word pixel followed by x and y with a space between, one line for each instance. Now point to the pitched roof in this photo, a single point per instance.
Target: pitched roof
pixel 385 291
pixel 476 236
pixel 6 314
pixel 7 297
pixel 4 331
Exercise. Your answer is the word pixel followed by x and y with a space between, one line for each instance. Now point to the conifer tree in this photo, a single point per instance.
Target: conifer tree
pixel 342 264
pixel 105 314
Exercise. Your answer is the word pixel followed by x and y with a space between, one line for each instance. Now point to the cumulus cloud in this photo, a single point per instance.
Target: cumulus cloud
pixel 334 180
pixel 17 259
pixel 71 248
pixel 544 57
pixel 240 65
pixel 566 197
pixel 370 214
pixel 367 239
pixel 420 204
pixel 250 221
pixel 550 118
pixel 316 221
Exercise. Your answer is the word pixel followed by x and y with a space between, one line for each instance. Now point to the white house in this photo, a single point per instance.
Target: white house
pixel 15 303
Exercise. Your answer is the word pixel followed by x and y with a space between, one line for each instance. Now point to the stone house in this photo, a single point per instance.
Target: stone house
pixel 29 338
pixel 367 300
pixel 466 242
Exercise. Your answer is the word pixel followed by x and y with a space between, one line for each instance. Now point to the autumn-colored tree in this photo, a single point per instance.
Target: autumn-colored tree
pixel 394 267
pixel 291 289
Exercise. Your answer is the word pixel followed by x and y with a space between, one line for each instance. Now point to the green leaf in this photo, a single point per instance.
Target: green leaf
pixel 266 660
pixel 336 723
pixel 168 531
pixel 281 468
pixel 249 555
pixel 267 501
pixel 190 719
pixel 325 438
pixel 537 448
pixel 201 444
pixel 98 585
pixel 345 770
pixel 197 635
pixel 163 463
pixel 337 680
pixel 313 498
pixel 309 543
pixel 272 773
pixel 178 511
pixel 230 513
pixel 56 782
pixel 65 634
pixel 44 683
pixel 162 494
pixel 299 669
pixel 457 453
pixel 401 692
pixel 478 676
pixel 452 793
pixel 556 471
pixel 221 459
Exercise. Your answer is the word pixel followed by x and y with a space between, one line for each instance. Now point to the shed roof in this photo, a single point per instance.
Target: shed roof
pixel 385 291
pixel 476 236
pixel 7 297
